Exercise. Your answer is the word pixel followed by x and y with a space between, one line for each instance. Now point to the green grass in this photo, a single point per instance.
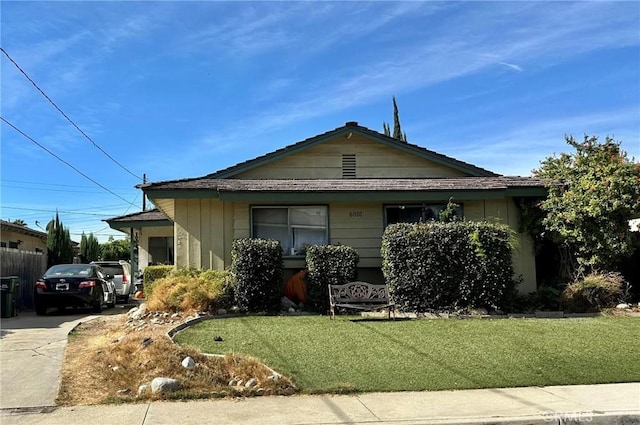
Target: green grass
pixel 355 354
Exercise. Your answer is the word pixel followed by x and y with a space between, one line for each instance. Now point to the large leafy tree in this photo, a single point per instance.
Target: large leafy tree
pixel 59 245
pixel 593 193
pixel 116 249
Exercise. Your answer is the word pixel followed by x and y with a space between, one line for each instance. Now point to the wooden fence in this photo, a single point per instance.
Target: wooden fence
pixel 28 266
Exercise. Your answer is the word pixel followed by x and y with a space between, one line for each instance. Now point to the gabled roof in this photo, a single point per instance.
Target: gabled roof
pixel 18 228
pixel 148 218
pixel 349 127
pixel 352 127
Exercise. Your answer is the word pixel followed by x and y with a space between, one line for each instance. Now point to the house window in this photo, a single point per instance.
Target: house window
pixel 13 245
pixel 161 250
pixel 413 213
pixel 295 227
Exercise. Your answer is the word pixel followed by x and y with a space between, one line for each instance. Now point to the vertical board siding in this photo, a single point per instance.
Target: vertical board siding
pixel 193 228
pixel 29 266
pixel 181 233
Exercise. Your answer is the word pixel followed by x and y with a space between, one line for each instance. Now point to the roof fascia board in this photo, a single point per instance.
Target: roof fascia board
pixel 136 224
pixel 287 197
pixel 182 194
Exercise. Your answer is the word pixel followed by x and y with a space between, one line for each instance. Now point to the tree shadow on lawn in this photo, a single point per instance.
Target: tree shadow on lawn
pixel 366 323
pixel 381 319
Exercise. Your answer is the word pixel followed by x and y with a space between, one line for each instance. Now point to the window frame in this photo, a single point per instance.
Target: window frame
pixel 288 225
pixel 422 205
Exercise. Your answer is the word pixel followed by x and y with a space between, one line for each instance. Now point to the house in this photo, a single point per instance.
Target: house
pixel 154 233
pixel 21 237
pixel 340 187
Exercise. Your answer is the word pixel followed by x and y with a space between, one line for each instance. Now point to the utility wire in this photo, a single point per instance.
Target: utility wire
pixel 60 211
pixel 62 160
pixel 2 181
pixel 53 190
pixel 65 115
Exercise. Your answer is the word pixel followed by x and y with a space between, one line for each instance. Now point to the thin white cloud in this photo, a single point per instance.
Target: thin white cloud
pixel 512 66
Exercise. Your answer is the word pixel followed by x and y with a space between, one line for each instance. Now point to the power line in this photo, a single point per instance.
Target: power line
pixel 62 160
pixel 48 184
pixel 51 190
pixel 60 211
pixel 65 115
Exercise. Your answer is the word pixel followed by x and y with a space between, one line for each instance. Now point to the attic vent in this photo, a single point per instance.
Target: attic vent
pixel 349 166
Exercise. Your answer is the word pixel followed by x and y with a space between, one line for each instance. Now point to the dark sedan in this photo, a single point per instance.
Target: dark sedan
pixel 74 285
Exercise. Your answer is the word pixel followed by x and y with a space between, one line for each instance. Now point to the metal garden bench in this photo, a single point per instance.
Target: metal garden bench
pixel 361 296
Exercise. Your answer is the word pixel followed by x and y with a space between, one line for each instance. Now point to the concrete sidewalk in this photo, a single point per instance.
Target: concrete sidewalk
pixel 594 404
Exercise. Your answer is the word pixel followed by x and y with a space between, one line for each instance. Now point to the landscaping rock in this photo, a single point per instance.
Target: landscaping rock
pixel 221 311
pixel 251 383
pixel 623 306
pixel 138 313
pixel 143 389
pixel 160 385
pixel 145 342
pixel 188 363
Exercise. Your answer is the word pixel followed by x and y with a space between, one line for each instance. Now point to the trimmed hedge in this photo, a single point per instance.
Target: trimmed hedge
pixel 329 264
pixel 436 266
pixel 256 267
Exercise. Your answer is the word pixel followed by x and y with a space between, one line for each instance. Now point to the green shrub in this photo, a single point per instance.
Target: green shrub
pixel 594 293
pixel 191 290
pixel 436 266
pixel 256 266
pixel 329 265
pixel 153 273
pixel 546 298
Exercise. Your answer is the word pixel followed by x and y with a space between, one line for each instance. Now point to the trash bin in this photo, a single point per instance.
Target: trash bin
pixel 8 295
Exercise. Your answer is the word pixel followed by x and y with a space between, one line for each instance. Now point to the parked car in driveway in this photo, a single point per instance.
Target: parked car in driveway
pixel 121 271
pixel 74 285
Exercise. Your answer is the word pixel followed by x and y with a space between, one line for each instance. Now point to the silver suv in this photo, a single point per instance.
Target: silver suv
pixel 121 271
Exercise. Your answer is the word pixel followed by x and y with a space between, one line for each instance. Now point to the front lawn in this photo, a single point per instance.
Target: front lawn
pixel 356 354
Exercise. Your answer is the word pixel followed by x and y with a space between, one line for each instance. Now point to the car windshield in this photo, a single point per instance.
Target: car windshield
pixel 68 270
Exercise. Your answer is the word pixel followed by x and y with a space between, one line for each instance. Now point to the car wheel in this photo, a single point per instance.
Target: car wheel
pixel 41 309
pixel 97 307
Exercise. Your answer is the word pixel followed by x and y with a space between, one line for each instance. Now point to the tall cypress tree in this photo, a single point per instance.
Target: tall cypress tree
pixel 397 129
pixel 59 247
pixel 83 249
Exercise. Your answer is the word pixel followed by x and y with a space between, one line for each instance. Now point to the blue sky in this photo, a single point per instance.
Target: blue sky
pixel 182 89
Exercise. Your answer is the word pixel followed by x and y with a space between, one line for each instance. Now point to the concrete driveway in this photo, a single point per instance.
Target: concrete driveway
pixel 31 353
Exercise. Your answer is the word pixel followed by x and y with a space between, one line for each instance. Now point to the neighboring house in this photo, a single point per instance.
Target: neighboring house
pixel 16 236
pixel 154 232
pixel 340 187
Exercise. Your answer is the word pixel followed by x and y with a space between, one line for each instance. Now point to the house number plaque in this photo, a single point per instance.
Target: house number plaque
pixel 355 214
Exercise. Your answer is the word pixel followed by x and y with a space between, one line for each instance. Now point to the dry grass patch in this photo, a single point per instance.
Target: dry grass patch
pixel 105 362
